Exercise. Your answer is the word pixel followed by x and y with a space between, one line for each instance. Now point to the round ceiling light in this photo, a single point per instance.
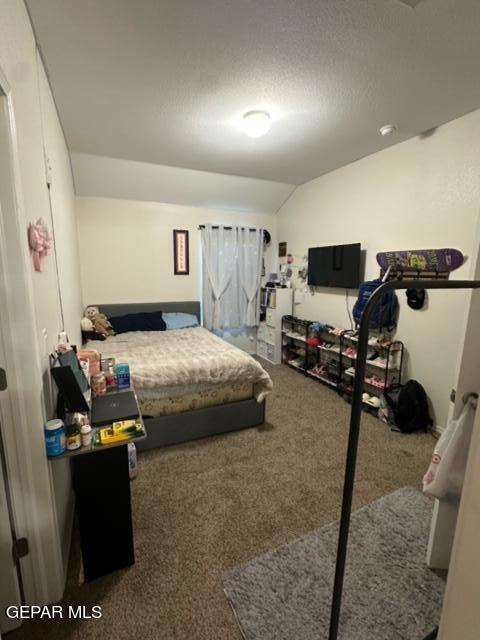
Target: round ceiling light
pixel 256 123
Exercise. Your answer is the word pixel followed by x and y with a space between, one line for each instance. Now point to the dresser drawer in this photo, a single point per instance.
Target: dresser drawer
pixel 270 335
pixel 271 317
pixel 262 331
pixel 270 352
pixel 262 349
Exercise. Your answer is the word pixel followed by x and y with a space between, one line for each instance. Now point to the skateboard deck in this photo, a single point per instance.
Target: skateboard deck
pixel 421 259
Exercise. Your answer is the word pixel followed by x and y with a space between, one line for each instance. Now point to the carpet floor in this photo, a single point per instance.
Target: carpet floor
pixel 204 507
pixel 388 594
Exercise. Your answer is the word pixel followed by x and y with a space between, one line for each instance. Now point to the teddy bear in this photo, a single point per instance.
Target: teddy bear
pixel 98 322
pixel 86 324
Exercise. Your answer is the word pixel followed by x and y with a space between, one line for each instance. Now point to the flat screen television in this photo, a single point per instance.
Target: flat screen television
pixel 336 266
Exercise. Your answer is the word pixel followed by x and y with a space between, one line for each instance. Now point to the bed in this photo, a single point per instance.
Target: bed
pixel 190 383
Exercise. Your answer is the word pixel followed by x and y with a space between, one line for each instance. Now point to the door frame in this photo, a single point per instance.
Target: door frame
pixel 460 613
pixel 445 512
pixel 30 481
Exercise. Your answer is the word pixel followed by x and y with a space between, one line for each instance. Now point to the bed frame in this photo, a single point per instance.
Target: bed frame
pixel 199 423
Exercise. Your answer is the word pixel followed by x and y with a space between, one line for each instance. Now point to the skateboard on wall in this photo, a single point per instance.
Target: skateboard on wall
pixel 440 260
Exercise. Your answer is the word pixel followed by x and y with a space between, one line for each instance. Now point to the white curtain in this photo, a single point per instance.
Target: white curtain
pixel 231 271
pixel 250 254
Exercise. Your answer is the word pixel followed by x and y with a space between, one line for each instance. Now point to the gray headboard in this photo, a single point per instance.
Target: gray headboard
pixel 192 306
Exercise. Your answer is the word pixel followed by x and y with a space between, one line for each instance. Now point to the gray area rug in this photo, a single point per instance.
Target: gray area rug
pixel 389 593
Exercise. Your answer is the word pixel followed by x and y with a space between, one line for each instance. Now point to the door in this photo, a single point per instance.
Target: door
pixel 9 575
pixel 9 571
pixel 468 381
pixel 461 613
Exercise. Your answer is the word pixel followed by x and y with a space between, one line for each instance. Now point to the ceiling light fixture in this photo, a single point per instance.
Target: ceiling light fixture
pixel 256 123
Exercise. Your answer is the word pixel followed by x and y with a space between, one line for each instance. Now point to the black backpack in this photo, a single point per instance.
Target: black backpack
pixel 410 407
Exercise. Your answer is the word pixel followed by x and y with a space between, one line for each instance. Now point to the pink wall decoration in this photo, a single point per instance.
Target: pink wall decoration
pixel 39 242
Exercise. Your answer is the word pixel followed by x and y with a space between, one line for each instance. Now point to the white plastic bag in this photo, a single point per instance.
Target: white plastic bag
pixel 447 468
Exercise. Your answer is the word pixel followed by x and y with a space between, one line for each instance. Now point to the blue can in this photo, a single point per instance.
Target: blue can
pixel 55 438
pixel 122 371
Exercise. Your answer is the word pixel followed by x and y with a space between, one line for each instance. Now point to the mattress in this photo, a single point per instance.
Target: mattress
pixel 169 364
pixel 179 401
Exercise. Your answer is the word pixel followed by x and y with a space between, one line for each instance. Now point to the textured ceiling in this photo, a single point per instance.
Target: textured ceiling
pixel 168 81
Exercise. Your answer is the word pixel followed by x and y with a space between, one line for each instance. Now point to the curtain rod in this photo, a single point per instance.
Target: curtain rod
pixel 202 226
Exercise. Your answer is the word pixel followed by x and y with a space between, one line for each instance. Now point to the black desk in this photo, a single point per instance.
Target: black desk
pixel 102 489
pixel 101 483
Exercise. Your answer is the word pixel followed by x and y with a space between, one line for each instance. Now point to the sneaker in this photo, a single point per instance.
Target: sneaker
pixel 375 382
pixel 381 363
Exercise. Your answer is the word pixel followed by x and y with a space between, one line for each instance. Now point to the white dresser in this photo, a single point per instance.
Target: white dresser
pixel 269 333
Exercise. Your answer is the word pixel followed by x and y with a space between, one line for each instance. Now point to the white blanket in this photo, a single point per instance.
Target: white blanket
pixel 184 357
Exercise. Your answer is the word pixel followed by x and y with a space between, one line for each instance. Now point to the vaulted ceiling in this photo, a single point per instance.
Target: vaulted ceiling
pixel 167 81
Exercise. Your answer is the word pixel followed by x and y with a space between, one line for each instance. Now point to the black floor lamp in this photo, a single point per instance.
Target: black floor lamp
pixel 355 416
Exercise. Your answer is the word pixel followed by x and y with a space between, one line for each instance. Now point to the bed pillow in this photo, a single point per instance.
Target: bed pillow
pixel 180 320
pixel 144 321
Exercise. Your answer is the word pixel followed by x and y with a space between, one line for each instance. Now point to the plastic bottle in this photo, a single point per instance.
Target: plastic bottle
pixel 55 438
pixel 132 460
pixel 73 437
pixel 86 435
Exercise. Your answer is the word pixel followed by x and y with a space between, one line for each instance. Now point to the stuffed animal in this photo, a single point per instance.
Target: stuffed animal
pixel 86 324
pixel 40 242
pixel 100 321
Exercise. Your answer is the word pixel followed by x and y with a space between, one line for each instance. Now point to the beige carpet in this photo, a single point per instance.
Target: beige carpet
pixel 207 506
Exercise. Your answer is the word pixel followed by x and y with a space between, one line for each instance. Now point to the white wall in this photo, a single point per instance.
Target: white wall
pixel 64 287
pixel 131 180
pixel 422 193
pixel 38 132
pixel 126 249
pixel 64 219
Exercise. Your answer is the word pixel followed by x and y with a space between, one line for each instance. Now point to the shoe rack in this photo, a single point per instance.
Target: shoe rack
pixel 328 354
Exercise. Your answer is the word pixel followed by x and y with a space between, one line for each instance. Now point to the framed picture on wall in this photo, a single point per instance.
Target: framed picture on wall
pixel 181 265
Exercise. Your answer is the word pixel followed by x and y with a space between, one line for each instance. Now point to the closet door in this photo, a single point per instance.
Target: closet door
pixel 9 586
pixel 9 591
pixel 461 613
pixel 468 380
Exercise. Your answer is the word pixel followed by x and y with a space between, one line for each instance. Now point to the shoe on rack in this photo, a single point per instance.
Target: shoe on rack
pixel 375 381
